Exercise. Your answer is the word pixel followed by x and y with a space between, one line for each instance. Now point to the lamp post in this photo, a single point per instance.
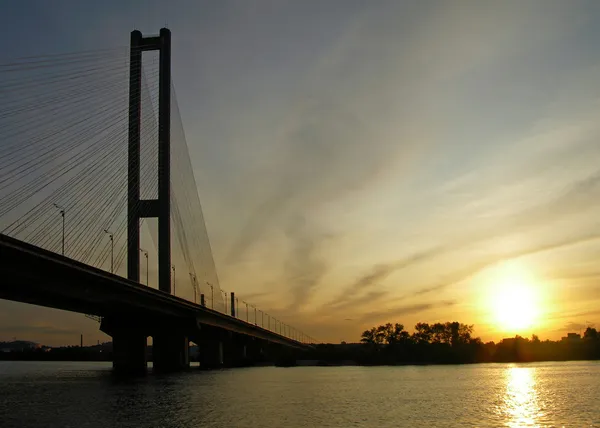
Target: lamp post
pixel 112 250
pixel 193 279
pixel 212 295
pixel 62 213
pixel 173 268
pixel 145 255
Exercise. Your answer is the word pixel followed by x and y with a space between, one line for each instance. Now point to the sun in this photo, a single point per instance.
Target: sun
pixel 514 299
pixel 515 307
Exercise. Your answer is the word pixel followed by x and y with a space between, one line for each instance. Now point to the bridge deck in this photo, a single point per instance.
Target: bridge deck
pixel 33 275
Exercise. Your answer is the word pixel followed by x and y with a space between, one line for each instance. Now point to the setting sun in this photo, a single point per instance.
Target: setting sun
pixel 515 307
pixel 514 300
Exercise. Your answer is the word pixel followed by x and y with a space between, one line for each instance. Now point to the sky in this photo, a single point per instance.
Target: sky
pixel 369 162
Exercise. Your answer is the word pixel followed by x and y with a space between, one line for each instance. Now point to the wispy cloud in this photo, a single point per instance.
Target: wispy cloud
pixel 305 267
pixel 395 314
pixel 573 327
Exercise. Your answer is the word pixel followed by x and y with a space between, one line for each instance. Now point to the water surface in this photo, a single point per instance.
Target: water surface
pixel 53 394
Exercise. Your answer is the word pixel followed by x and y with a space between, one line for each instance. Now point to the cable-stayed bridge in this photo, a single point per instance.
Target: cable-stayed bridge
pixel 99 205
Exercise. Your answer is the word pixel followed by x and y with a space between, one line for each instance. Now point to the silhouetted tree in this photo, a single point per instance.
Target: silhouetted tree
pixel 453 342
pixel 369 336
pixel 398 335
pixel 384 332
pixel 422 333
pixel 590 334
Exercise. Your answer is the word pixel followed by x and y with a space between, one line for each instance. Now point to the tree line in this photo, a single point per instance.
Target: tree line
pixel 452 343
pixel 452 333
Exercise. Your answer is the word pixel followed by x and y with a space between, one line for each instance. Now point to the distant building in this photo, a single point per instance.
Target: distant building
pixel 571 337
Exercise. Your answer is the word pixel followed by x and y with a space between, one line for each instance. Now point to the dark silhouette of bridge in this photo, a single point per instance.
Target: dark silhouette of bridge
pixel 70 159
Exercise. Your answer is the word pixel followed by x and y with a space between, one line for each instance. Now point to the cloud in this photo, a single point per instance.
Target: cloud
pixel 477 266
pixel 359 291
pixel 323 156
pixel 570 314
pixel 574 327
pixel 304 267
pixel 430 289
pixel 380 272
pixel 254 296
pixel 356 301
pixel 393 314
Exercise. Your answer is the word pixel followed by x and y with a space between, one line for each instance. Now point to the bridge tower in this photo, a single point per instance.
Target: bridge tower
pixel 156 208
pixel 170 346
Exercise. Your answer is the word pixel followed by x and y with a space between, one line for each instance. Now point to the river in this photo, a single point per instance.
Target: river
pixel 85 395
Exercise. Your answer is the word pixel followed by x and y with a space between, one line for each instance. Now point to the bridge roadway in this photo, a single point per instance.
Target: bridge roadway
pixel 131 312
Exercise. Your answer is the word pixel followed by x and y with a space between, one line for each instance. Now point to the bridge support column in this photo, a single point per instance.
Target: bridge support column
pixel 129 352
pixel 170 352
pixel 211 354
pixel 130 340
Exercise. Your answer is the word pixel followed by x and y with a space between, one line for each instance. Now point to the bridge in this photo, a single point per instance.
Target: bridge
pixel 89 143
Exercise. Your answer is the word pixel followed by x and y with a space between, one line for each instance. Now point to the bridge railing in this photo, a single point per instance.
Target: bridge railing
pixel 251 314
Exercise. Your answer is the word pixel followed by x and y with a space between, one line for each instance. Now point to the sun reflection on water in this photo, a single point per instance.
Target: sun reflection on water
pixel 521 399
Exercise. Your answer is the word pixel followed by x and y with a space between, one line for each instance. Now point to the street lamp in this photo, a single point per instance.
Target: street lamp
pixel 145 255
pixel 173 268
pixel 193 279
pixel 212 295
pixel 62 213
pixel 112 248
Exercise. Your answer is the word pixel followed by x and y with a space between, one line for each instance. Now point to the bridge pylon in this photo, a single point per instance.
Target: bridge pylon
pixel 170 346
pixel 150 208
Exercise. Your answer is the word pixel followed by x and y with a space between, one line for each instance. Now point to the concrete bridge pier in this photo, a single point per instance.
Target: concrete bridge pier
pixel 282 356
pixel 236 351
pixel 242 351
pixel 211 354
pixel 256 350
pixel 129 346
pixel 170 352
pixel 129 352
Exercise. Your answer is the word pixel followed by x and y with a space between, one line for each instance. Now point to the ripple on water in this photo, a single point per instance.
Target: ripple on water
pixel 512 395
